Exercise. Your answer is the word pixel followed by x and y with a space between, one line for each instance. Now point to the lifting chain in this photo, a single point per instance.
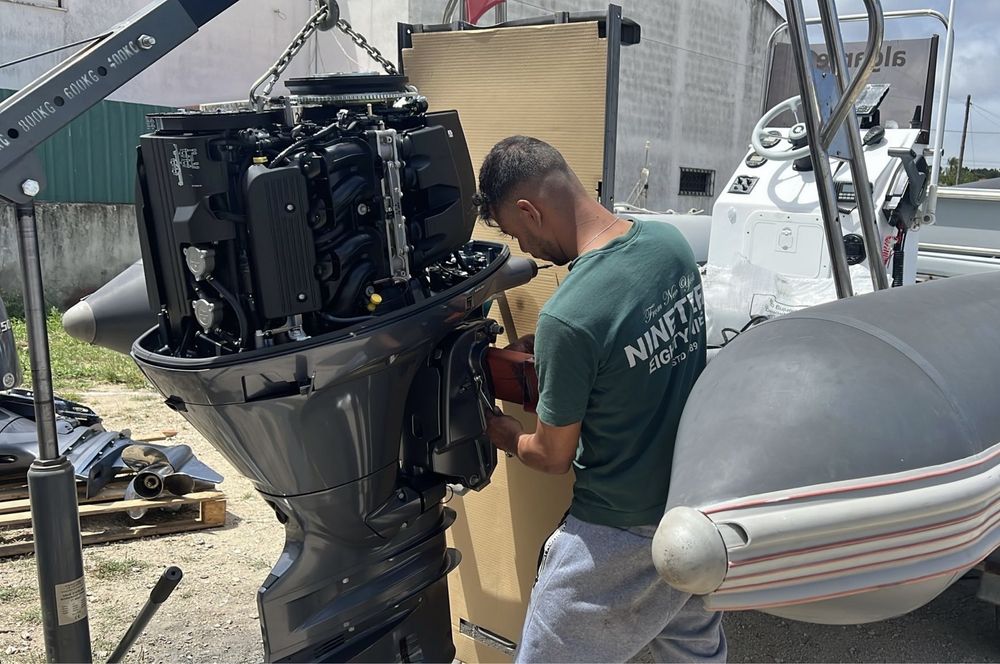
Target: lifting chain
pixel 271 77
pixel 372 52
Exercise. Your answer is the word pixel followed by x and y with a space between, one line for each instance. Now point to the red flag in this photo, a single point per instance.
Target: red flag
pixel 475 9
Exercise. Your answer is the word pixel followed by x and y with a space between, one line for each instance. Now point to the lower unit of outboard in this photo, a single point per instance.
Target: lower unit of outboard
pixel 353 439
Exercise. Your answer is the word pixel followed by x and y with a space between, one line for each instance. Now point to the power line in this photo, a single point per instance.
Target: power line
pixel 987 111
pixel 54 50
pixel 702 53
pixel 995 118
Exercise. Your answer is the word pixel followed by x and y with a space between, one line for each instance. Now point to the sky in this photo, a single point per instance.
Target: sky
pixel 976 68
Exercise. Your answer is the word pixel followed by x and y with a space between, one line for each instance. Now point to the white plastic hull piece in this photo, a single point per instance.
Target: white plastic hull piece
pixel 849 552
pixel 696 228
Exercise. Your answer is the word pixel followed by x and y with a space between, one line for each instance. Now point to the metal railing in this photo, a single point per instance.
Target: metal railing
pixel 824 130
pixel 930 205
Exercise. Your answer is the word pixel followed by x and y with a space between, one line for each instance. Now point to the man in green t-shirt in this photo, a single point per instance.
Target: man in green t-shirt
pixel 617 348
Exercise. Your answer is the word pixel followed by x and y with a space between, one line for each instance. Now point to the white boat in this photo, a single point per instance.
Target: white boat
pixel 837 461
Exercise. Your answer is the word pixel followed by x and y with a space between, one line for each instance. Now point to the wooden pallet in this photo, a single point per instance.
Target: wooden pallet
pixel 104 518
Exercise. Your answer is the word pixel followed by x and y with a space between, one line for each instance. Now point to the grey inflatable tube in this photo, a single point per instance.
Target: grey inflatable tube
pixel 878 384
pixel 841 464
pixel 115 315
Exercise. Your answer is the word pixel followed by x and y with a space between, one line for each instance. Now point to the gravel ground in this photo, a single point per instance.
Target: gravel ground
pixel 955 627
pixel 212 617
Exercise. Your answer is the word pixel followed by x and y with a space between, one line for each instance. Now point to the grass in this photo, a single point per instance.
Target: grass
pixel 117 569
pixel 31 615
pixel 14 593
pixel 77 366
pixel 259 564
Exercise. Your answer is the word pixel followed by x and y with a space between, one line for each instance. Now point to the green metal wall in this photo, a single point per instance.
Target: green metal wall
pixel 93 159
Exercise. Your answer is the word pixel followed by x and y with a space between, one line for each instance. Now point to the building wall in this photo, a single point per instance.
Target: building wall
pixel 692 87
pixel 82 245
pixel 220 63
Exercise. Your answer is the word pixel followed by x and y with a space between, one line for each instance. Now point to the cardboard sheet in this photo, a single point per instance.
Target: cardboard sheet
pixel 547 82
pixel 542 81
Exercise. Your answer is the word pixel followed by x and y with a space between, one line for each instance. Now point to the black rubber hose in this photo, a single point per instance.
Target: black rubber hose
pixel 898 261
pixel 241 317
pixel 337 320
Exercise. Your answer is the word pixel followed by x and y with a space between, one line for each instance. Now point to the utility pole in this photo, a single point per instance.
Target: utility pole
pixel 965 132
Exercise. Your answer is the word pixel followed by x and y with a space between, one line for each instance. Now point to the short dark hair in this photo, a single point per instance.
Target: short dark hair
pixel 511 162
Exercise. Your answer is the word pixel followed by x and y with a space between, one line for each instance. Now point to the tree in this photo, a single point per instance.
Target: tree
pixel 968 174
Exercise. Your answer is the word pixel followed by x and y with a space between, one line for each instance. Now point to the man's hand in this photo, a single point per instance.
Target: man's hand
pixel 525 344
pixel 549 449
pixel 503 431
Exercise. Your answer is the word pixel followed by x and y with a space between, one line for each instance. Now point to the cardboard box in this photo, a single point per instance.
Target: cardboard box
pixel 500 532
pixel 548 82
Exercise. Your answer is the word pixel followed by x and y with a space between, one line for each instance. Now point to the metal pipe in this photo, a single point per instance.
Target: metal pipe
pixel 981 252
pixel 62 589
pixel 854 18
pixel 949 51
pixel 55 520
pixel 161 591
pixel 859 169
pixel 38 339
pixel 820 159
pixel 850 91
pixel 614 44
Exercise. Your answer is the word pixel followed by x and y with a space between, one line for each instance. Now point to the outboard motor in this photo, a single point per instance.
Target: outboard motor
pixel 320 320
pixel 10 366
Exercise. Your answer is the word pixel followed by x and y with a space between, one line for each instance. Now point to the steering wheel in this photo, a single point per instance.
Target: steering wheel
pixel 761 133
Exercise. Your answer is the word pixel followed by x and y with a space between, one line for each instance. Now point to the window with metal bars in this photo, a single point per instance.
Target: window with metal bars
pixel 697 182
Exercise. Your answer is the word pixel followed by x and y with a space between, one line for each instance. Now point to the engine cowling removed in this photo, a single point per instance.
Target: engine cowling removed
pixel 258 228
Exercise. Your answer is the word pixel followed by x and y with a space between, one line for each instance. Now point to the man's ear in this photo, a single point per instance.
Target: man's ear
pixel 528 209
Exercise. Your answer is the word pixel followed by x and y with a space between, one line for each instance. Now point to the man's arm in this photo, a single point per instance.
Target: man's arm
pixel 566 360
pixel 549 450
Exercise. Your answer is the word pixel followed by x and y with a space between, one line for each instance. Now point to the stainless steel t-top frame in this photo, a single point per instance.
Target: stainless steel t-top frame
pixel 827 126
pixel 824 124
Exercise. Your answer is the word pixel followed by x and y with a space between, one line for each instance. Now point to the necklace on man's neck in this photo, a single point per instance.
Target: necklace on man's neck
pixel 605 230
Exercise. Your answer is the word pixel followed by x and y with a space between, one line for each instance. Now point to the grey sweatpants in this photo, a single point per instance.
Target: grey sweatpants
pixel 598 598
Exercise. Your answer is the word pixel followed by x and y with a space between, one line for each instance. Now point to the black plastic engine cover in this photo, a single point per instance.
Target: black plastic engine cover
pixel 445 425
pixel 181 184
pixel 282 255
pixel 441 172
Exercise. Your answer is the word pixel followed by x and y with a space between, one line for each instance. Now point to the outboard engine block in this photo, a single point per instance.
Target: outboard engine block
pixel 260 228
pixel 321 320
